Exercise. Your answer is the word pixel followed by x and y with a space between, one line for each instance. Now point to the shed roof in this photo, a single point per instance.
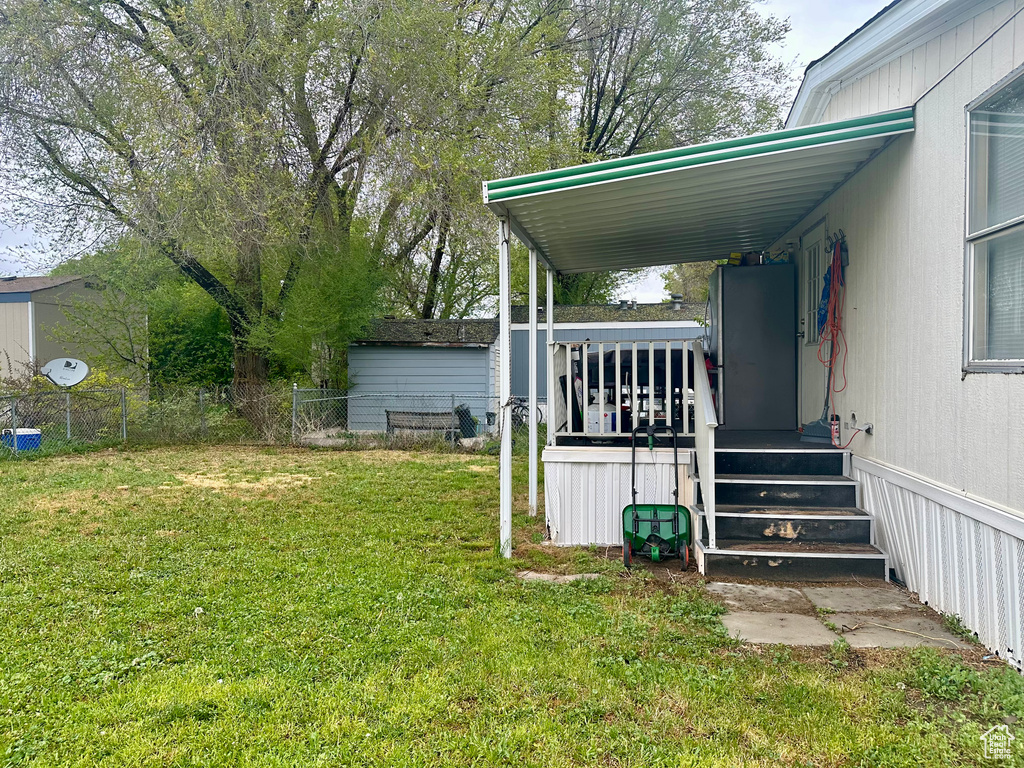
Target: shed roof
pixel 693 203
pixel 423 333
pixel 614 313
pixel 35 283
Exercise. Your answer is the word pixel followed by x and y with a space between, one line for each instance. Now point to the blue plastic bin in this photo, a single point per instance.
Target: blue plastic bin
pixel 28 439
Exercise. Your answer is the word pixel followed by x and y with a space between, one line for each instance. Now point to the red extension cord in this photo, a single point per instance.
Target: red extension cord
pixel 832 333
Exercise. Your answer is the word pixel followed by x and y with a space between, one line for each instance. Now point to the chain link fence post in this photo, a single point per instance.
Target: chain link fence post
pixel 202 413
pixel 67 415
pixel 295 412
pixel 14 423
pixel 124 415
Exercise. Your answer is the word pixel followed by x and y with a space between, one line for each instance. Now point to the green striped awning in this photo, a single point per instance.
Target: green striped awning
pixel 691 203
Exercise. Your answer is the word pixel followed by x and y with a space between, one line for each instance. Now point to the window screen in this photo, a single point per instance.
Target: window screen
pixel 996 232
pixel 999 297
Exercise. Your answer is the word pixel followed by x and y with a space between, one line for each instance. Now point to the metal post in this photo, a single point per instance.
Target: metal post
pixel 124 415
pixel 202 412
pixel 454 433
pixel 650 383
pixel 549 397
pixel 14 422
pixel 67 414
pixel 533 383
pixel 295 411
pixel 505 389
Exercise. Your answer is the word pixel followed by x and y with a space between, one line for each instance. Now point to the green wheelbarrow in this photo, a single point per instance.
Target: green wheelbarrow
pixel 660 531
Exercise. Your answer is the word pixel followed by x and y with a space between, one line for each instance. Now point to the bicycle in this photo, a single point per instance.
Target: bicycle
pixel 521 413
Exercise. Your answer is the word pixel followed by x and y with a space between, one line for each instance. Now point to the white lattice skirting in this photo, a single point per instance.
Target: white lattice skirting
pixel 585 490
pixel 960 555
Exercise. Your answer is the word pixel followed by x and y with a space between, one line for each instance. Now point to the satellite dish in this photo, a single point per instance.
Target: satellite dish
pixel 65 371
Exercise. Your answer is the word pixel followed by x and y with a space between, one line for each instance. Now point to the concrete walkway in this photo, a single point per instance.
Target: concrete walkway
pixel 867 617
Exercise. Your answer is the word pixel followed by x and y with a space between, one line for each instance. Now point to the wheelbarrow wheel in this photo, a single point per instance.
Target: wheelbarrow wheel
pixel 684 556
pixel 627 554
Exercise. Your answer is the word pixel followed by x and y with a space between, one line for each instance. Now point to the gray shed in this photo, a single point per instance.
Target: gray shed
pixel 423 366
pixel 625 321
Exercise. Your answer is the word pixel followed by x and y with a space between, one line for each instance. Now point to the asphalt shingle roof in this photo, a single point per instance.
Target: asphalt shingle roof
pixel 430 332
pixel 30 284
pixel 413 332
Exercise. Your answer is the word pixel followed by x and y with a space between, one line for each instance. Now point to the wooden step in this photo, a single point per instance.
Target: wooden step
pixel 835 524
pixel 786 490
pixel 791 560
pixel 837 512
pixel 780 462
pixel 786 479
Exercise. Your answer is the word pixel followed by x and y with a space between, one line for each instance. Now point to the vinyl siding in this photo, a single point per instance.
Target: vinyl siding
pixel 47 317
pixel 428 376
pixel 49 307
pixel 14 337
pixel 901 81
pixel 903 216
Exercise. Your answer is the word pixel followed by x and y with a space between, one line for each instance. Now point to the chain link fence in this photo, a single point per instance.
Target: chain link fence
pixel 56 422
pixel 47 422
pixel 225 415
pixel 339 419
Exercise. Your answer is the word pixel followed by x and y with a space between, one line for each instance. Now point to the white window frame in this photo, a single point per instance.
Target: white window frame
pixel 972 364
pixel 810 283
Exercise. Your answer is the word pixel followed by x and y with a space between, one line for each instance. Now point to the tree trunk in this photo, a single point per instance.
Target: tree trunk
pixel 430 297
pixel 251 367
pixel 249 386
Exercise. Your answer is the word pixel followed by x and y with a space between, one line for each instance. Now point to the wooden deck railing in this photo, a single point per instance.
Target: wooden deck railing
pixel 615 386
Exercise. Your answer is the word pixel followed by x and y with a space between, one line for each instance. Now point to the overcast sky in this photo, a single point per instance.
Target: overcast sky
pixel 817 25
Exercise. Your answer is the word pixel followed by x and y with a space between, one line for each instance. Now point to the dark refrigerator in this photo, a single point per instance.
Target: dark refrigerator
pixel 752 341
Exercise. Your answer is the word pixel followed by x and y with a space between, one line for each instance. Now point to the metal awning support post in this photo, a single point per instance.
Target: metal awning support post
pixel 505 388
pixel 549 320
pixel 533 383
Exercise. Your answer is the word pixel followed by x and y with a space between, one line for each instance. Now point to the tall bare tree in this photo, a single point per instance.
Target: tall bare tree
pixel 233 136
pixel 662 73
pixel 615 78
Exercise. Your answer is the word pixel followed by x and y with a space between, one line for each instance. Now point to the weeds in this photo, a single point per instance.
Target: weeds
pixel 955 626
pixel 354 610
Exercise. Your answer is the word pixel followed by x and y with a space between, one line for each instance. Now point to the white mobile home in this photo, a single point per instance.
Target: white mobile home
pixel 898 185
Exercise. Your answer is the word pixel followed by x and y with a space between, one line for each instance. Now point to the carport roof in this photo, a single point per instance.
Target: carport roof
pixel 687 204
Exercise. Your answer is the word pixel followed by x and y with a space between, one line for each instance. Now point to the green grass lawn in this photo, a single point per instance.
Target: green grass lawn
pixel 217 606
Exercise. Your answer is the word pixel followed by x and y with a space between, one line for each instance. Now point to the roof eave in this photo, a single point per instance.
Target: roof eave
pixel 898 28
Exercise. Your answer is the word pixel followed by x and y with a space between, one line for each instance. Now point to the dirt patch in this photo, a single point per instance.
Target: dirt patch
pixel 865 659
pixel 90 529
pixel 388 457
pixel 168 533
pixel 755 597
pixel 548 558
pixel 74 502
pixel 221 482
pixel 480 468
